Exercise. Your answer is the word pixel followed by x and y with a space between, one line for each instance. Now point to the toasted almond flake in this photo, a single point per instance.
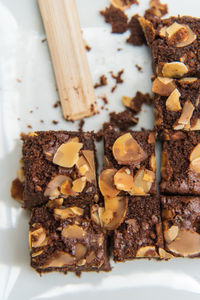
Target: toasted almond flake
pixel 195 153
pixel 147 251
pixel 52 187
pixel 67 154
pixel 188 79
pixel 190 39
pixel 61 259
pixel 174 69
pixel 152 162
pixel 164 254
pixel 171 233
pixel 106 183
pixel 123 180
pixel 174 28
pixel 79 184
pixel 173 103
pixel 187 112
pixel 163 86
pixel 73 232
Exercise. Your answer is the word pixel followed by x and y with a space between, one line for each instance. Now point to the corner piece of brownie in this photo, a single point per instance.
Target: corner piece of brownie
pixel 176 103
pixel 65 238
pixel 129 163
pixel 59 164
pixel 175 44
pixel 180 165
pixel 181 225
pixel 140 234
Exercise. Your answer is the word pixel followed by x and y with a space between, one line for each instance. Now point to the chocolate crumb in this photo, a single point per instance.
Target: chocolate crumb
pixel 41 121
pixel 119 49
pixel 123 120
pixel 18 119
pixel 56 104
pixel 136 37
pixel 17 190
pixel 116 18
pixel 138 67
pixel 29 126
pixel 105 99
pixel 102 107
pixel 18 80
pixel 43 40
pixel 102 82
pixel 118 76
pixel 113 88
pixel 88 48
pixel 31 111
pixel 80 125
pixel 156 10
pixel 55 122
pixel 137 101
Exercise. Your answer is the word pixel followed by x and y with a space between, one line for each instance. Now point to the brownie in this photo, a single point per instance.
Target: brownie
pixel 177 103
pixel 59 163
pixel 175 44
pixel 65 238
pixel 180 171
pixel 129 163
pixel 140 234
pixel 181 225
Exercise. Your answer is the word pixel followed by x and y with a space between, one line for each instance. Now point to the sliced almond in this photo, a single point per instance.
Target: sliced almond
pixel 152 162
pixel 54 203
pixel 142 185
pixel 166 169
pixel 195 153
pixel 174 69
pixel 120 4
pixel 151 138
pixel 96 213
pixel 52 190
pixel 149 176
pixel 60 260
pixel 82 166
pixel 158 117
pixel 106 183
pixel 188 80
pixel 32 134
pixel 66 188
pixel 163 86
pixel 73 232
pixel 115 212
pixel 67 154
pixel 171 233
pixel 38 238
pixel 195 165
pixel 80 251
pixel 126 150
pixel 164 254
pixel 123 179
pixel 187 243
pixel 187 112
pixel 190 38
pixel 79 184
pixel 147 251
pixel 126 101
pixel 91 174
pixel 162 32
pixel 173 103
pixel 176 33
pixel 69 212
pixel 35 254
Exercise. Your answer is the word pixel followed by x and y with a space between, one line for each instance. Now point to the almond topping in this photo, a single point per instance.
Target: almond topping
pixel 60 260
pixel 66 188
pixel 106 183
pixel 187 243
pixel 126 101
pixel 173 103
pixel 96 214
pixel 123 180
pixel 174 69
pixel 142 185
pixel 69 212
pixel 147 251
pixel 149 176
pixel 73 232
pixel 152 162
pixel 79 184
pixel 32 134
pixel 127 151
pixel 52 190
pixel 56 202
pixel 188 80
pixel 171 233
pixel 187 112
pixel 80 251
pixel 151 138
pixel 38 237
pixel 195 153
pixel 91 174
pixel 164 254
pixel 115 212
pixel 163 86
pixel 176 33
pixel 195 159
pixel 120 4
pixel 67 154
pixel 166 170
pixel 190 38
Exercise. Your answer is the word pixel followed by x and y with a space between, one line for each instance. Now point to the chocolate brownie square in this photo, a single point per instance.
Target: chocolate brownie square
pixel 175 44
pixel 140 234
pixel 67 238
pixel 177 103
pixel 59 164
pixel 180 165
pixel 181 225
pixel 129 163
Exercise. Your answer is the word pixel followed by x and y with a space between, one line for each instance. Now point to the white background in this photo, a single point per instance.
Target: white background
pixel 24 58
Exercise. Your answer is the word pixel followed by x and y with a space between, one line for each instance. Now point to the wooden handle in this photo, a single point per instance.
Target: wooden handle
pixel 62 26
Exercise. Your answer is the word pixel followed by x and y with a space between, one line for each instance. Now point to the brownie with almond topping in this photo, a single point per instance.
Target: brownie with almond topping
pixel 140 234
pixel 59 163
pixel 129 163
pixel 180 163
pixel 181 225
pixel 176 103
pixel 175 44
pixel 67 238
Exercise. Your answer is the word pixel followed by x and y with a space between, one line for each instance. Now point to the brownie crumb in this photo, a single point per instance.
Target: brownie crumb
pixel 139 68
pixel 31 111
pixel 137 37
pixel 43 40
pixel 29 126
pixel 123 120
pixel 113 88
pixel 156 10
pixel 18 80
pixel 18 119
pixel 118 76
pixel 41 121
pixel 105 99
pixel 56 104
pixel 116 18
pixel 136 102
pixel 88 48
pixel 80 125
pixel 100 133
pixel 119 49
pixel 102 82
pixel 54 122
pixel 17 190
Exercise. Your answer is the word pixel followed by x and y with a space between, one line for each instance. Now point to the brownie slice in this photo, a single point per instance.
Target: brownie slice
pixel 129 163
pixel 140 235
pixel 65 238
pixel 180 167
pixel 175 44
pixel 177 103
pixel 181 224
pixel 59 163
